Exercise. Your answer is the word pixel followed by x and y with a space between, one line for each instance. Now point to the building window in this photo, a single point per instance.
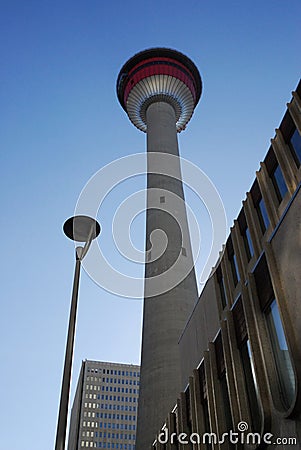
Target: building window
pixel 221 372
pixel 248 243
pixel 233 262
pixel 260 207
pixel 291 137
pixel 226 401
pixel 234 268
pixel 245 233
pixel 251 383
pixel 221 284
pixel 262 215
pixel 279 183
pixel 283 362
pixel 284 369
pixel 295 147
pixel 275 174
pixel 247 363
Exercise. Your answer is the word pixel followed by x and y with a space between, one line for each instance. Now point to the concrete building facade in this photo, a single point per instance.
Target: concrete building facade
pixel 240 349
pixel 104 411
pixel 159 89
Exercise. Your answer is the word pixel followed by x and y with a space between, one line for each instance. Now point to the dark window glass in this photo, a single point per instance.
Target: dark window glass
pixel 220 280
pixel 251 383
pixel 234 268
pixel 262 215
pixel 283 364
pixel 233 261
pixel 223 292
pixel 295 144
pixel 260 206
pixel 279 183
pixel 248 243
pixel 204 403
pixel 206 421
pixel 245 233
pixel 247 362
pixel 221 372
pixel 226 401
pixel 188 412
pixel 281 354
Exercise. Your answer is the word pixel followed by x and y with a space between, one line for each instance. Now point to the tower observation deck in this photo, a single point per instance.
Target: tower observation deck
pixel 159 89
pixel 159 74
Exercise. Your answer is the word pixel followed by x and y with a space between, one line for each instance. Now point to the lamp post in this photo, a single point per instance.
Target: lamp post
pixel 79 229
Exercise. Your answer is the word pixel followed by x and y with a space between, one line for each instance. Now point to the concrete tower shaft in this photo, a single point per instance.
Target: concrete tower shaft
pixel 159 89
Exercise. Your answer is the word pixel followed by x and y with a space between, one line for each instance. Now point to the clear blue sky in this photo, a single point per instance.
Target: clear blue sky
pixel 61 122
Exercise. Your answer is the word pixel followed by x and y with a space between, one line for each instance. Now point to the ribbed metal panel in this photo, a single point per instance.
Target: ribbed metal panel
pixel 160 88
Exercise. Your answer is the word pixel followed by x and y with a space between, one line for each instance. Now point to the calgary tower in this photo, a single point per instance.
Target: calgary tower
pixel 159 89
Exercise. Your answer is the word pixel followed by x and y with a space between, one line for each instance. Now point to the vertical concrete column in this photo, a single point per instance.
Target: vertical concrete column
pixel 172 431
pixel 158 446
pixel 220 421
pixel 192 399
pixel 210 394
pixel 198 409
pixel 182 422
pixel 165 313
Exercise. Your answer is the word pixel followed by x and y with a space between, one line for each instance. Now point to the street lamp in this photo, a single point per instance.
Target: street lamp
pixel 79 229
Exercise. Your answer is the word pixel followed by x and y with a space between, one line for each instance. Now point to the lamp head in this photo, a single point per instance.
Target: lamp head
pixel 159 74
pixel 81 228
